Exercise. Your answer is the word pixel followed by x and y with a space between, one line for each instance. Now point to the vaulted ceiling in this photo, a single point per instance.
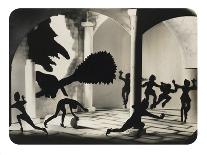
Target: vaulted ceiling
pixel 23 20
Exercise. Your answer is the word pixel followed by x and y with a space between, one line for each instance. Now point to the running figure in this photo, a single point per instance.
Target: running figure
pixel 73 104
pixel 24 116
pixel 126 88
pixel 185 98
pixel 165 88
pixel 149 90
pixel 135 120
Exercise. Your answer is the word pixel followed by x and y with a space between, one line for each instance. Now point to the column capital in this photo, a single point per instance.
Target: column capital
pixel 87 24
pixel 132 12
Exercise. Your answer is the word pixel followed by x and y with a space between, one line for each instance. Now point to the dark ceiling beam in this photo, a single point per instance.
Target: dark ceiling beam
pixel 151 17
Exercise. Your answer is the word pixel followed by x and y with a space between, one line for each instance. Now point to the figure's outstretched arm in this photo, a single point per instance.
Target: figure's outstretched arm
pixel 13 105
pixel 71 109
pixel 173 90
pixel 23 99
pixel 194 87
pixel 176 85
pixel 156 85
pixel 120 76
pixel 146 113
pixel 85 109
pixel 145 84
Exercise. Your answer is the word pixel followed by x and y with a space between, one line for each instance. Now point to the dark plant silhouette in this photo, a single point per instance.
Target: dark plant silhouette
pixel 24 116
pixel 165 88
pixel 97 68
pixel 42 45
pixel 135 120
pixel 73 104
pixel 126 88
pixel 185 98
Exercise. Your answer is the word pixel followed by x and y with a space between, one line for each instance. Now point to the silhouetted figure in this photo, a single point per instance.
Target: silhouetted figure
pixel 135 120
pixel 185 98
pixel 42 45
pixel 24 116
pixel 97 68
pixel 73 104
pixel 165 88
pixel 126 88
pixel 149 90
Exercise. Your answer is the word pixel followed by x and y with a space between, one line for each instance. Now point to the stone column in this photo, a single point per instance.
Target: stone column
pixel 133 78
pixel 30 88
pixel 88 49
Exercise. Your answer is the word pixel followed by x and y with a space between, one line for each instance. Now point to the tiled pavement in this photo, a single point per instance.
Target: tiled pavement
pixel 92 128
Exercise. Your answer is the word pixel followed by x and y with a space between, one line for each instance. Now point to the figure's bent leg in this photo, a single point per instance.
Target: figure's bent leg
pixel 123 95
pixel 63 117
pixel 126 98
pixel 186 109
pixel 125 127
pixel 19 121
pixel 167 99
pixel 52 117
pixel 160 98
pixel 147 97
pixel 30 122
pixel 181 111
pixel 154 98
pixel 141 131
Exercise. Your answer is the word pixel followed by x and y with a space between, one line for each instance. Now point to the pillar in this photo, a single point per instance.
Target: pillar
pixel 88 49
pixel 136 62
pixel 30 88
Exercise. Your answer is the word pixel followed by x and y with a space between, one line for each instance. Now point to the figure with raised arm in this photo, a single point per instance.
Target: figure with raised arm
pixel 126 88
pixel 185 98
pixel 149 88
pixel 19 104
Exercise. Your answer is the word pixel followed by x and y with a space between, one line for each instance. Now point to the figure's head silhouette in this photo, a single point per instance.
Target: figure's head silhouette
pixel 186 83
pixel 16 96
pixel 127 75
pixel 152 78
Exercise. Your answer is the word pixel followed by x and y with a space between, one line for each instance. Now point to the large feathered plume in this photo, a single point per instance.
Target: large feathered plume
pixel 97 68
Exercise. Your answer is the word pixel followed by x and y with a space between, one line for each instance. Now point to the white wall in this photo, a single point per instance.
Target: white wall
pixel 45 106
pixel 164 56
pixel 18 74
pixel 111 37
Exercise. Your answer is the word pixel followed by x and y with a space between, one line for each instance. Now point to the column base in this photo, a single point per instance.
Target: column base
pixel 91 109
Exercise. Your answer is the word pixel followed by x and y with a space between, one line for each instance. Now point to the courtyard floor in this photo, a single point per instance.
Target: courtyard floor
pixel 93 126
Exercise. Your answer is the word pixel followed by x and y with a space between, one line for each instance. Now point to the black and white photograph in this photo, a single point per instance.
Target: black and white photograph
pixel 103 76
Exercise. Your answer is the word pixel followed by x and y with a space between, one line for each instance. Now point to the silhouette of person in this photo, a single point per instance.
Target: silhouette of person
pixel 24 116
pixel 149 90
pixel 126 88
pixel 185 98
pixel 61 107
pixel 165 88
pixel 135 120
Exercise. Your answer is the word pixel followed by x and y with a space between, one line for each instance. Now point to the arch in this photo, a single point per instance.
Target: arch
pixel 113 38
